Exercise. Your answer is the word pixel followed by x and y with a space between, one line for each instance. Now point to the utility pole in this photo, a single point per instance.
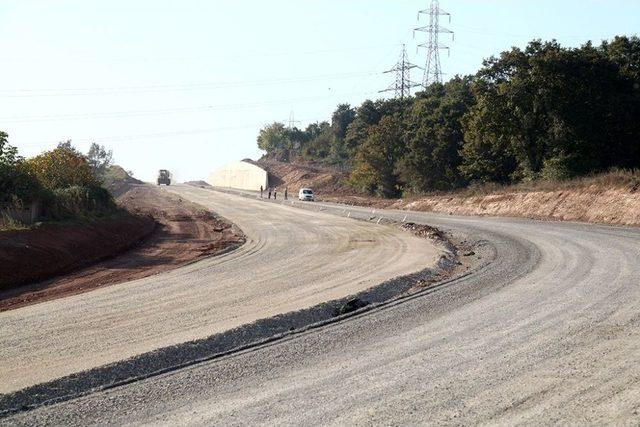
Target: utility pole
pixel 403 84
pixel 432 69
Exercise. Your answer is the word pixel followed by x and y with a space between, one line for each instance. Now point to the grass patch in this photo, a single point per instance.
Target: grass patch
pixel 9 224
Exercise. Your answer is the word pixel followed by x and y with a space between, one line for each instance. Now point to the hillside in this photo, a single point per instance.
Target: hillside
pixel 323 180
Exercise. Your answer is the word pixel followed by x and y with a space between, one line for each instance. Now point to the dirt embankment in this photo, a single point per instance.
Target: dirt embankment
pixel 589 204
pixel 610 206
pixel 167 233
pixel 610 198
pixel 53 249
pixel 299 175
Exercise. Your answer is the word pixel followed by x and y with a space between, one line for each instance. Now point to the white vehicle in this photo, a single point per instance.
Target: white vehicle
pixel 306 194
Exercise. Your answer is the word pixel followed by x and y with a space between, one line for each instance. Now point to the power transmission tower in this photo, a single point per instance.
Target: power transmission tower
pixel 432 69
pixel 403 84
pixel 292 121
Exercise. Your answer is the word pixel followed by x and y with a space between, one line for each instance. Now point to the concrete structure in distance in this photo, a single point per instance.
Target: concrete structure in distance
pixel 242 175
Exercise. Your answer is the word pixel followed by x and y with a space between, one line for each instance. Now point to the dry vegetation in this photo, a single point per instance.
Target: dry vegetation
pixel 615 179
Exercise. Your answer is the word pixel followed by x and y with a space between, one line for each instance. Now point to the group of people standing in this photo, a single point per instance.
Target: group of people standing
pixel 274 191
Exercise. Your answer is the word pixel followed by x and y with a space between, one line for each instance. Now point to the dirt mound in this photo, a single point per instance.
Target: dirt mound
pixel 118 181
pixel 298 175
pixel 201 184
pixel 177 232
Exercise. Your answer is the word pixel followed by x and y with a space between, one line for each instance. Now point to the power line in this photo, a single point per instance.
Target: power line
pixel 143 136
pixel 250 54
pixel 21 93
pixel 403 84
pixel 137 113
pixel 146 136
pixel 433 69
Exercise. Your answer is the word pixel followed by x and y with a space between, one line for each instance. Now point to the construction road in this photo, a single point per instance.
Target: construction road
pixel 293 259
pixel 548 332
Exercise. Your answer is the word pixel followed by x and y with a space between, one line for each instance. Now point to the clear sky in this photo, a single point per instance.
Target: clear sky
pixel 186 85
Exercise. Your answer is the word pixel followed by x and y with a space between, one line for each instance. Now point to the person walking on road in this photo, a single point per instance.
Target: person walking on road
pixel 269 193
pixel 286 192
pixel 261 190
pixel 275 192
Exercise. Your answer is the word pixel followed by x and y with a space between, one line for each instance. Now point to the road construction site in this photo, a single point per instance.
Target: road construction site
pixel 292 259
pixel 543 327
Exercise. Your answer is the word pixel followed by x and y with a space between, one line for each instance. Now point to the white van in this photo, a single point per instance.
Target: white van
pixel 306 194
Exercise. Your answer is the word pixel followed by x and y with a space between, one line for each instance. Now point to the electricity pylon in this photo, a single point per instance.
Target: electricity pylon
pixel 403 84
pixel 433 69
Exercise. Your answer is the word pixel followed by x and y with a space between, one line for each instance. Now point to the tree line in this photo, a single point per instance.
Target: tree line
pixel 542 112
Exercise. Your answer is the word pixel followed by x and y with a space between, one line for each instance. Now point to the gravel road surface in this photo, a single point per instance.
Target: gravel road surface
pixel 547 333
pixel 293 259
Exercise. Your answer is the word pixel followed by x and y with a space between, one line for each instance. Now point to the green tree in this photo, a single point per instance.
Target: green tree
pixel 375 163
pixel 17 185
pixel 275 141
pixel 99 160
pixel 317 146
pixel 435 137
pixel 341 118
pixel 8 153
pixel 550 111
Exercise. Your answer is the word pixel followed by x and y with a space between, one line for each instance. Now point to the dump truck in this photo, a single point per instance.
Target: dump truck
pixel 164 177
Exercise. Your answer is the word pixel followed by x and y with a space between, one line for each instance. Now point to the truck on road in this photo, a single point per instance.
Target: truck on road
pixel 164 177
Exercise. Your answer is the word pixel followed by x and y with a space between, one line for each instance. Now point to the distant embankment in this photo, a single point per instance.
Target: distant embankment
pixel 612 206
pixel 610 198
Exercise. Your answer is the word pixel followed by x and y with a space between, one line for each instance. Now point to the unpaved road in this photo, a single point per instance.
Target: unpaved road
pixel 292 259
pixel 184 233
pixel 548 333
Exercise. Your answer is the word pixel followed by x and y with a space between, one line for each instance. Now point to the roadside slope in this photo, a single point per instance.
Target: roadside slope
pixel 596 205
pixel 293 259
pixel 49 250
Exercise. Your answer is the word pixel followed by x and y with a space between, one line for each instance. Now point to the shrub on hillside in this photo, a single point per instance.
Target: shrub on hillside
pixel 78 202
pixel 62 168
pixel 18 187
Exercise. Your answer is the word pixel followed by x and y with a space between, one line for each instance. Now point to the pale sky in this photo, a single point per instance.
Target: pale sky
pixel 186 85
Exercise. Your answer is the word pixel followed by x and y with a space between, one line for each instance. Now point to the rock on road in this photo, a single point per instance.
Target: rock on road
pixel 293 259
pixel 547 333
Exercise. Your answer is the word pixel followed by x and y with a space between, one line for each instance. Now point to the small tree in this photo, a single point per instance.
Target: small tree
pixel 62 168
pixel 8 154
pixel 17 185
pixel 99 160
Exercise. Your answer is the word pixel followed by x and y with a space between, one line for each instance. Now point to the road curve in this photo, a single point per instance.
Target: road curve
pixel 547 333
pixel 293 259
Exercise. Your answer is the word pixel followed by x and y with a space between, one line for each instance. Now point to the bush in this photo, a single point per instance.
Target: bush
pixel 79 202
pixel 557 168
pixel 17 185
pixel 61 168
